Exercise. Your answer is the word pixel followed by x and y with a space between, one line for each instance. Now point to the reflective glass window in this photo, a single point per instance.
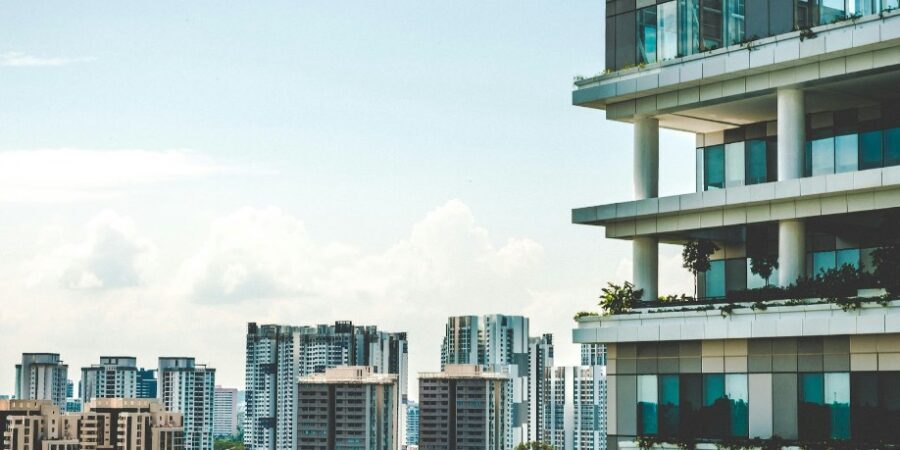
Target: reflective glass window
pixel 831 11
pixel 837 400
pixel 737 393
pixel 823 262
pixel 691 404
pixel 688 27
pixel 812 417
pixel 714 167
pixel 669 403
pixel 848 256
pixel 711 24
pixel 715 279
pixel 891 4
pixel 863 7
pixel 667 31
pixel 889 395
pixel 864 413
pixel 846 153
pixel 735 274
pixel 647 394
pixel 756 162
pixel 892 147
pixel 870 155
pixel 735 21
pixel 823 156
pixel 646 35
pixel 734 164
pixel 716 416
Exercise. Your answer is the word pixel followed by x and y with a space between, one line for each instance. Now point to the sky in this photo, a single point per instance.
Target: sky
pixel 170 171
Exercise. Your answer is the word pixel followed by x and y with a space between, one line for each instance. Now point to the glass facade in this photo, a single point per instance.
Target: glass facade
pixel 648 401
pixel 684 27
pixel 824 406
pixel 875 405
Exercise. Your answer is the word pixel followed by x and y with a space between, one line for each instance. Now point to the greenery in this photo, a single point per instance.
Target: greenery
pixel 764 266
pixel 229 443
pixel 619 299
pixel 581 314
pixel 535 446
pixel 887 267
pixel 695 257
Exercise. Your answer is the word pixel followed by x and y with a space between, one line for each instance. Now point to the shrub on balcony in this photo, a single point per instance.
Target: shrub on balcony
pixel 695 257
pixel 887 267
pixel 619 299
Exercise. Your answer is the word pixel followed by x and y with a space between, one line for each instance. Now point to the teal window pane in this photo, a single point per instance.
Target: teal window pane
pixel 669 405
pixel 823 262
pixel 891 4
pixel 831 11
pixel 812 414
pixel 870 155
pixel 863 7
pixel 735 165
pixel 892 147
pixel 667 31
pixel 716 407
pixel 714 167
pixel 647 405
pixel 735 21
pixel 688 27
pixel 715 279
pixel 691 405
pixel 823 156
pixel 846 153
pixel 837 399
pixel 646 35
pixel 756 162
pixel 711 24
pixel 848 256
pixel 737 393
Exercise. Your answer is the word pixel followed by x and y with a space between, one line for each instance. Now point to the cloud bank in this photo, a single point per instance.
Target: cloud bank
pixel 19 59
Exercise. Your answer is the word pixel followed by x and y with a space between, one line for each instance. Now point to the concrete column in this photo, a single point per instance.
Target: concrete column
pixel 791 150
pixel 645 255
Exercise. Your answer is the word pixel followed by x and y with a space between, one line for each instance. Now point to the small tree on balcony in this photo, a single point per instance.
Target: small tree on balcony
pixel 695 257
pixel 764 266
pixel 887 267
pixel 619 299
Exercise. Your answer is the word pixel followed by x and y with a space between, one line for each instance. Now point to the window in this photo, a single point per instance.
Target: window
pixel 734 21
pixel 689 26
pixel 715 279
pixel 734 164
pixel 711 24
pixel 846 153
pixel 714 167
pixel 646 34
pixel 726 405
pixel 823 262
pixel 669 402
pixel 657 33
pixel 863 7
pixel 647 396
pixel 756 162
pixel 824 408
pixel 831 11
pixel 822 156
pixel 870 155
pixel 892 147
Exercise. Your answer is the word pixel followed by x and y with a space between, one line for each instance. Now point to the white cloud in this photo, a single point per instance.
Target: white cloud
pixel 62 175
pixel 112 255
pixel 18 59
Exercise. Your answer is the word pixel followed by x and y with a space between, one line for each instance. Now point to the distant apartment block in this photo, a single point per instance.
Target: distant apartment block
pixel 146 383
pixel 121 424
pixel 465 407
pixel 278 355
pixel 593 354
pixel 346 408
pixel 42 376
pixel 114 377
pixel 225 413
pixel 412 424
pixel 189 388
pixel 575 408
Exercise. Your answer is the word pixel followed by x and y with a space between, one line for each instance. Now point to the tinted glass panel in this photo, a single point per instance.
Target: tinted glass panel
pixel 737 393
pixel 823 156
pixel 711 24
pixel 831 11
pixel 889 393
pixel 735 21
pixel 848 256
pixel 647 406
pixel 669 403
pixel 823 262
pixel 714 167
pixel 870 150
pixel 691 397
pixel 846 153
pixel 715 279
pixel 757 23
pixel 813 416
pixel 667 31
pixel 716 407
pixel 892 147
pixel 837 399
pixel 646 35
pixel 756 162
pixel 864 414
pixel 863 7
pixel 734 164
pixel 688 27
pixel 736 274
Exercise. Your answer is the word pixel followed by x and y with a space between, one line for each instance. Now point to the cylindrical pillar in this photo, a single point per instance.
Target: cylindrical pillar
pixel 645 271
pixel 645 254
pixel 791 251
pixel 791 145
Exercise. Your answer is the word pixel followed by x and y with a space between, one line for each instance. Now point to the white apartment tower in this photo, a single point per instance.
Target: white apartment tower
pixel 575 408
pixel 42 376
pixel 189 388
pixel 114 377
pixel 794 331
pixel 225 412
pixel 278 355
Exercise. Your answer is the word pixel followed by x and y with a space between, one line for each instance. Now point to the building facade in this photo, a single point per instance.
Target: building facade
pixel 114 377
pixel 124 424
pixel 42 376
pixel 575 408
pixel 146 383
pixel 797 122
pixel 278 355
pixel 466 408
pixel 189 388
pixel 225 412
pixel 501 343
pixel 412 423
pixel 348 408
pixel 593 355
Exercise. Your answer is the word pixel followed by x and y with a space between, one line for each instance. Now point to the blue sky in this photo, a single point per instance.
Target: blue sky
pixel 172 170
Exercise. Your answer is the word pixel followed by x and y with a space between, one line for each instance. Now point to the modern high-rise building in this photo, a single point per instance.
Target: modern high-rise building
pixel 189 388
pixel 225 412
pixel 464 407
pixel 796 113
pixel 278 355
pixel 540 360
pixel 123 424
pixel 146 383
pixel 114 377
pixel 575 408
pixel 42 376
pixel 348 407
pixel 70 389
pixel 593 355
pixel 412 423
pixel 502 343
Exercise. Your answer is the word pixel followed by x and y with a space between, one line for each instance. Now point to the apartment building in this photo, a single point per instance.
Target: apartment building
pixel 225 413
pixel 189 388
pixel 575 408
pixel 114 377
pixel 42 376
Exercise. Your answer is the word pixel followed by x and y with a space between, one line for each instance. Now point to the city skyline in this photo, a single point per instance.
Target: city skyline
pixel 141 154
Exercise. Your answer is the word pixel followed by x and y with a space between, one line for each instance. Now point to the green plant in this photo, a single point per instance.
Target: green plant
pixel 807 33
pixel 695 257
pixel 535 446
pixel 759 306
pixel 887 267
pixel 617 299
pixel 764 266
pixel 581 314
pixel 726 310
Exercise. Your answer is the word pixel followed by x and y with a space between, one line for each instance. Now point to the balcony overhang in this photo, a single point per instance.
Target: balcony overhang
pixel 850 192
pixel 671 90
pixel 775 321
